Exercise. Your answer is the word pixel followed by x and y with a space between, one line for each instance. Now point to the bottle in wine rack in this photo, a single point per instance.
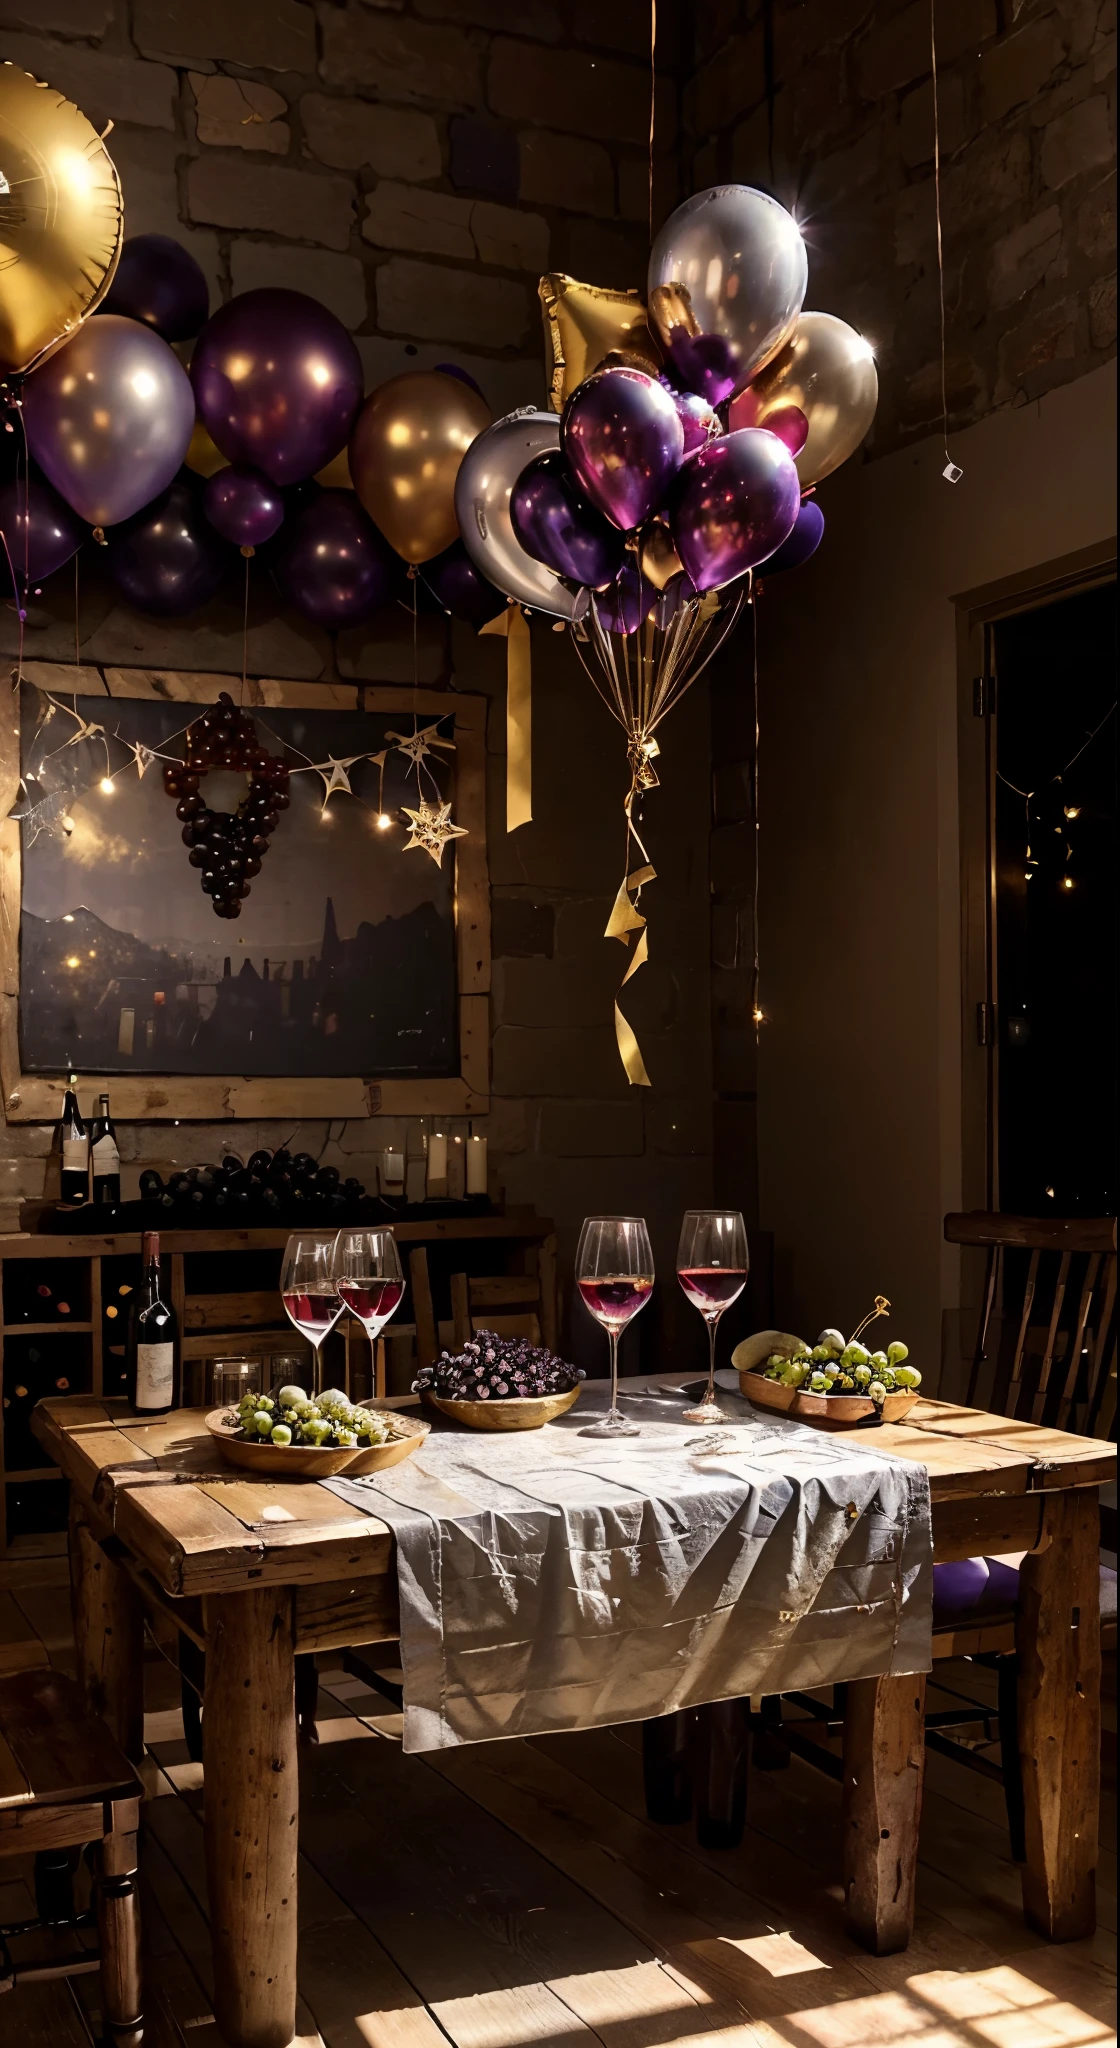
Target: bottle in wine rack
pixel 152 1355
pixel 105 1159
pixel 74 1144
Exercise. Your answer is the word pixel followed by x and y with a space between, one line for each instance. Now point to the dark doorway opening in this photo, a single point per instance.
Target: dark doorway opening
pixel 1055 906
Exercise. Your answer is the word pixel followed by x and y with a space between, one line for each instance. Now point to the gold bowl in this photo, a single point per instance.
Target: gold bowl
pixel 821 1411
pixel 316 1461
pixel 511 1412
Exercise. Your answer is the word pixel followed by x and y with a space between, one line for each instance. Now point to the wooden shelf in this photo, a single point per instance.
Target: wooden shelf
pixel 45 1329
pixel 33 1472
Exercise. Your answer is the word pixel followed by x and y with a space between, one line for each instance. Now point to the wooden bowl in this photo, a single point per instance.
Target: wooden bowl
pixel 512 1413
pixel 310 1461
pixel 822 1411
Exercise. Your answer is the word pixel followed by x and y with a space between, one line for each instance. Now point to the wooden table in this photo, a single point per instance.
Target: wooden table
pixel 251 1573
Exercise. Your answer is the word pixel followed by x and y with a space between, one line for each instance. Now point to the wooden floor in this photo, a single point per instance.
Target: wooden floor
pixel 515 1893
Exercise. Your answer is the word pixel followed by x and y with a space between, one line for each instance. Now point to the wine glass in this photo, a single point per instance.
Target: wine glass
pixel 366 1270
pixel 309 1293
pixel 712 1266
pixel 614 1274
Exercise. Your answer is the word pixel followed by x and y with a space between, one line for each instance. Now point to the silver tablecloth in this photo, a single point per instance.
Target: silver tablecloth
pixel 549 1581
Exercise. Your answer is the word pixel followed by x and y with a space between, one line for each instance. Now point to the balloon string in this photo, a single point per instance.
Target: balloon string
pixel 77 635
pixel 652 100
pixel 21 608
pixel 756 961
pixel 245 630
pixel 952 470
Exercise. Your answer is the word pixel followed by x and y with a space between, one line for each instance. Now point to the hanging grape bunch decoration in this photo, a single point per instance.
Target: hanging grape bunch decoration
pixel 228 848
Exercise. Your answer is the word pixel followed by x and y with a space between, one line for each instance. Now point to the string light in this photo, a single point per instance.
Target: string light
pixel 384 821
pixel 106 786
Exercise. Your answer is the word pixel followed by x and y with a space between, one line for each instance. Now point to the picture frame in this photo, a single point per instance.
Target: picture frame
pixel 148 1097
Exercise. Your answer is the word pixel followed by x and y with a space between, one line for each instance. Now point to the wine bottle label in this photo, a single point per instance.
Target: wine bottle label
pixel 155 1375
pixel 75 1154
pixel 106 1158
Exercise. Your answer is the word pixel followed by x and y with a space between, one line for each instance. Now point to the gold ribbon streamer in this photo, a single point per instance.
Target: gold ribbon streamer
pixel 512 626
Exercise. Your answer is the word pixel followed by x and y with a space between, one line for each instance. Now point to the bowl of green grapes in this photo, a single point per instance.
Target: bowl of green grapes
pixel 295 1435
pixel 831 1384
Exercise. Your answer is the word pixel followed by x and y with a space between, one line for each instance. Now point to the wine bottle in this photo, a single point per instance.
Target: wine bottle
pixel 104 1157
pixel 152 1356
pixel 74 1141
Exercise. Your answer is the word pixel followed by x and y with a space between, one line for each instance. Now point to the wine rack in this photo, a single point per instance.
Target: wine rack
pixel 64 1307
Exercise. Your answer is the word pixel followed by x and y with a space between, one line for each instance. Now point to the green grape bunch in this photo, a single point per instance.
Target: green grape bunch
pixel 832 1367
pixel 329 1421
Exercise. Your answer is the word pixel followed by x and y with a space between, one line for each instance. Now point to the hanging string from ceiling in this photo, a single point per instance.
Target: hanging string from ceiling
pixel 952 471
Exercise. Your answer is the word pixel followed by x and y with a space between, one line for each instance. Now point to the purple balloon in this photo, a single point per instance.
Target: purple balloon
pixel 676 592
pixel 464 376
pixel 805 539
pixel 243 506
pixel 697 417
pixel 39 528
pixel 109 418
pixel 559 528
pixel 168 559
pixel 734 504
pixel 278 383
pixel 461 588
pixel 705 364
pixel 624 440
pixel 333 564
pixel 629 600
pixel 159 282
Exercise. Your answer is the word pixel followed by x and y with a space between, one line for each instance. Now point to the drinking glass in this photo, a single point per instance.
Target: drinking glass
pixel 712 1268
pixel 366 1270
pixel 614 1274
pixel 309 1293
pixel 234 1377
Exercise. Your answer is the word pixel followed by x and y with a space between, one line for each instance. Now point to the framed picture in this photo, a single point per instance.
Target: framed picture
pixel 355 981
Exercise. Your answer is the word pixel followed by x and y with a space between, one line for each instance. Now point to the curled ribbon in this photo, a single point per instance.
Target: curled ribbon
pixel 512 626
pixel 626 917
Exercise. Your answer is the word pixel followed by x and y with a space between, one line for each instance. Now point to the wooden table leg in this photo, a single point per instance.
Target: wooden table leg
pixel 108 1637
pixel 884 1766
pixel 251 1800
pixel 117 1898
pixel 1058 1639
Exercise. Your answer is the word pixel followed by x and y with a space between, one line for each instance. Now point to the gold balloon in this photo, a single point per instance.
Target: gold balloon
pixel 583 325
pixel 203 454
pixel 336 476
pixel 828 370
pixel 61 220
pixel 658 559
pixel 405 449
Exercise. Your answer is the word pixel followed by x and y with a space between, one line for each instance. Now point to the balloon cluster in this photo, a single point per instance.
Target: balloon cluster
pixel 685 447
pixel 228 849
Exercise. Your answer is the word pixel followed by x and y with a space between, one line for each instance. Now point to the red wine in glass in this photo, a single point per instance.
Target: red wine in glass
pixel 614 1274
pixel 614 1298
pixel 712 1288
pixel 313 1314
pixel 371 1301
pixel 712 1268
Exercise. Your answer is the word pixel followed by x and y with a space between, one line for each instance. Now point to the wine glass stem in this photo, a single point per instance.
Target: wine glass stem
pixel 373 1387
pixel 613 1335
pixel 713 1325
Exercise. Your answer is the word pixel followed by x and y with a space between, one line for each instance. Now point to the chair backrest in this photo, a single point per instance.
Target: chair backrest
pixel 1050 1289
pixel 513 1304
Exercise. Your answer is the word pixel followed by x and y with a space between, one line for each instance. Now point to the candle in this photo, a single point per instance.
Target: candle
pixel 392 1171
pixel 437 1163
pixel 476 1165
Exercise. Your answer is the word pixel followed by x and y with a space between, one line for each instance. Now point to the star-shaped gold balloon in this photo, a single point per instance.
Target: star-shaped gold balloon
pixel 431 829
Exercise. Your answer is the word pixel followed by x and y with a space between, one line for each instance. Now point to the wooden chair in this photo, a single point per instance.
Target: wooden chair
pixel 64 1786
pixel 512 1304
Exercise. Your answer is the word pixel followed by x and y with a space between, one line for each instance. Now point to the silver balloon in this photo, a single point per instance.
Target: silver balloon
pixel 727 276
pixel 487 474
pixel 109 418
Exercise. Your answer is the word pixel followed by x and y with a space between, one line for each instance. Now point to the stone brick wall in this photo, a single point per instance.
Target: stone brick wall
pixel 416 167
pixel 829 103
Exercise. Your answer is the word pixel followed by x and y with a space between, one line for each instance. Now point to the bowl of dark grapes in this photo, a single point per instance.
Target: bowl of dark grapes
pixel 499 1383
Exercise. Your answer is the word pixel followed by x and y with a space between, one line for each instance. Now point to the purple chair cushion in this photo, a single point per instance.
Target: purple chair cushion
pixel 978 1587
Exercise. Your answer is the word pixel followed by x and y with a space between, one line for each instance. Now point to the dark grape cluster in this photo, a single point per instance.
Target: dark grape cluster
pixel 277 1186
pixel 493 1368
pixel 229 848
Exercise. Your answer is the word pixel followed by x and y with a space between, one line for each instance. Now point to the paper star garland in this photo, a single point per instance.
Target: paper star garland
pixel 431 829
pixel 416 745
pixel 335 775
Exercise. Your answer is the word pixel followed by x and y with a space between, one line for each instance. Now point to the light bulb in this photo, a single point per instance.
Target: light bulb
pixel 106 785
pixel 1067 881
pixel 1072 811
pixel 384 821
